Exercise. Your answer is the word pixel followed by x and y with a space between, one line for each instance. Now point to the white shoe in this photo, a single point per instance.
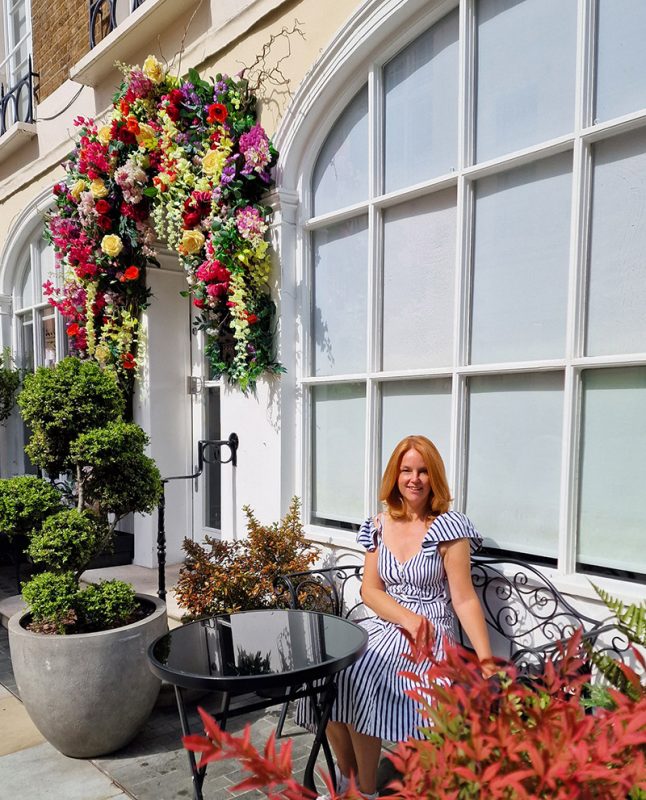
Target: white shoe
pixel 342 784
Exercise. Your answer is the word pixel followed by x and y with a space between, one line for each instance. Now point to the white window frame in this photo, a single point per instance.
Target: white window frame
pixel 8 67
pixel 377 28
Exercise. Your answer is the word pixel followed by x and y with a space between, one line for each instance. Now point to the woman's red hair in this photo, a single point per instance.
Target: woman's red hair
pixel 440 497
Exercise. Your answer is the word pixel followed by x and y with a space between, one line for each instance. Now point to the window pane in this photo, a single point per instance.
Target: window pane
pixel 25 296
pixel 49 339
pixel 617 283
pixel 27 341
pixel 419 275
pixel 45 270
pixel 612 514
pixel 421 107
pixel 514 465
pixel 212 469
pixel 411 407
pixel 341 171
pixel 521 254
pixel 338 443
pixel 621 57
pixel 340 297
pixel 526 60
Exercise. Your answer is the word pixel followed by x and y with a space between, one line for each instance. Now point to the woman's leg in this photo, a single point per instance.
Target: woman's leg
pixel 367 751
pixel 339 737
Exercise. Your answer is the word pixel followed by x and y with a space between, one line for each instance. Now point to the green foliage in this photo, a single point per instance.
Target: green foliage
pixel 108 604
pixel 51 598
pixel 68 541
pixel 25 501
pixel 116 473
pixel 9 383
pixel 631 621
pixel 61 402
pixel 74 410
pixel 59 605
pixel 231 576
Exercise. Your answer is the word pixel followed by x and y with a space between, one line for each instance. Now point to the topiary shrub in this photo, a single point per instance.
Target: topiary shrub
pixel 9 384
pixel 59 403
pixel 68 541
pixel 25 502
pixel 232 576
pixel 74 410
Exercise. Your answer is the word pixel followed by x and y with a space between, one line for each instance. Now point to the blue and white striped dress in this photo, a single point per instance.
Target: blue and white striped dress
pixel 371 694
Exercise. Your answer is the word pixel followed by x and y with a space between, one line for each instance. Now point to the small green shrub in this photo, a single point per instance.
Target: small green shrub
pixel 105 605
pixel 9 384
pixel 25 501
pixel 68 541
pixel 62 402
pixel 116 473
pixel 51 598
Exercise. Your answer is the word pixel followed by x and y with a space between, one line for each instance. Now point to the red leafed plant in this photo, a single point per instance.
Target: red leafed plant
pixel 497 739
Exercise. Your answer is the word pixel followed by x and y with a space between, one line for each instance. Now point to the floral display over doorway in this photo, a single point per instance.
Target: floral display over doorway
pixel 184 160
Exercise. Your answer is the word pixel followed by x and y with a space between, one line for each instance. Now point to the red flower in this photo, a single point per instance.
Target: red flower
pixel 132 125
pixel 104 222
pixel 217 113
pixel 102 206
pixel 128 361
pixel 191 219
pixel 251 318
pixel 198 302
pixel 73 329
pixel 131 274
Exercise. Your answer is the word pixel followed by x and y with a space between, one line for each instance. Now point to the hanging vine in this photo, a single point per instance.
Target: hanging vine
pixel 185 160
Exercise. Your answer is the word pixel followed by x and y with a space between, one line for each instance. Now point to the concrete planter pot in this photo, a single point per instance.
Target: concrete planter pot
pixel 88 693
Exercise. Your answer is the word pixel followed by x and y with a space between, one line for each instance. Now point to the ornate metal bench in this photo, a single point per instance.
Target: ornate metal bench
pixel 526 615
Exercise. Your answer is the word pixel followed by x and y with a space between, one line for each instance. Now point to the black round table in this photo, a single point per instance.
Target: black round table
pixel 278 654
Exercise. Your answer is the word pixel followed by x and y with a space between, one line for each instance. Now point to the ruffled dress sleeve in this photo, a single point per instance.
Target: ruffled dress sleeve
pixel 368 535
pixel 449 527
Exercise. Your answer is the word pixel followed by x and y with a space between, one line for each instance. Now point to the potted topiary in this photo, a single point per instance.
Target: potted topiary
pixel 79 654
pixel 25 502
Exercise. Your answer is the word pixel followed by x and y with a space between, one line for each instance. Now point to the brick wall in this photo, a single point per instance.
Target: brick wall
pixel 60 37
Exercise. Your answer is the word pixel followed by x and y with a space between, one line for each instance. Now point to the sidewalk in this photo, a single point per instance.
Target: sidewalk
pixel 154 766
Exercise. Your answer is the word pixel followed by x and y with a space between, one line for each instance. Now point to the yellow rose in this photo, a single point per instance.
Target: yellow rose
pixel 103 135
pixel 153 70
pixel 98 189
pixel 102 353
pixel 192 242
pixel 146 136
pixel 111 245
pixel 213 162
pixel 79 186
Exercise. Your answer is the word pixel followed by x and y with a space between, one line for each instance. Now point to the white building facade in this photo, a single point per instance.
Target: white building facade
pixel 458 237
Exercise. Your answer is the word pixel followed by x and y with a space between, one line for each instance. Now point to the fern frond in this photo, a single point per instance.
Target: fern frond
pixel 631 618
pixel 611 669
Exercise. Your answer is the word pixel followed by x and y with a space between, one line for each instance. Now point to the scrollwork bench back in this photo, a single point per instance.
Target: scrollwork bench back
pixel 526 615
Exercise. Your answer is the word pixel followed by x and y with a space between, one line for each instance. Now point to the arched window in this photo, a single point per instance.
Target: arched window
pixel 472 263
pixel 39 339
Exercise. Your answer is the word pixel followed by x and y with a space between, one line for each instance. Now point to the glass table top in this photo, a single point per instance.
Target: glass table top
pixel 269 647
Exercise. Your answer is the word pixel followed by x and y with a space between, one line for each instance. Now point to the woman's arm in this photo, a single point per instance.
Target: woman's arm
pixel 457 564
pixel 374 595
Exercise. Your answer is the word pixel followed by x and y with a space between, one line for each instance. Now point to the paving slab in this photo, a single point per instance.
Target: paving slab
pixel 17 731
pixel 43 772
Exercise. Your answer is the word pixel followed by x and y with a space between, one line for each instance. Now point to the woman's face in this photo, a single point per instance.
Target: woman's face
pixel 413 483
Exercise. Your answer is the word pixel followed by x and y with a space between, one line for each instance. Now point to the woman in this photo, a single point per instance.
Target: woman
pixel 417 553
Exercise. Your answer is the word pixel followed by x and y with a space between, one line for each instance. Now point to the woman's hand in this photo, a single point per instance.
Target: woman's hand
pixel 414 623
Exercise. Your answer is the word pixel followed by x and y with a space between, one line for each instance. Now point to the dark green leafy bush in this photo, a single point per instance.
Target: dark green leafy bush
pixel 60 403
pixel 25 501
pixel 106 605
pixel 74 410
pixel 68 540
pixel 9 384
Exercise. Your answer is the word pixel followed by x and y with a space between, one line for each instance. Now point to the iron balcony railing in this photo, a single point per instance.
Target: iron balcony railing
pixel 105 12
pixel 17 101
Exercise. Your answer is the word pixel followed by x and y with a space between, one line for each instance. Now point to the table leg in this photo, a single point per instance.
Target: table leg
pixel 197 774
pixel 322 712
